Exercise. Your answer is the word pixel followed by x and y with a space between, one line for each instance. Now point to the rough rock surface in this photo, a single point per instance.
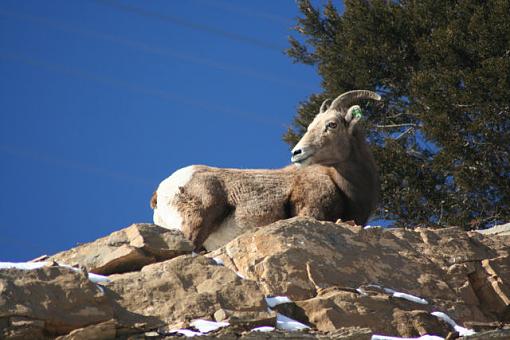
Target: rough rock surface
pixel 457 272
pixel 502 230
pixel 348 333
pixel 101 331
pixel 335 308
pixel 185 288
pixel 50 300
pixel 127 250
pixel 344 281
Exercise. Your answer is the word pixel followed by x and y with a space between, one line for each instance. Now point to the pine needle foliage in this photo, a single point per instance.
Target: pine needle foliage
pixel 441 138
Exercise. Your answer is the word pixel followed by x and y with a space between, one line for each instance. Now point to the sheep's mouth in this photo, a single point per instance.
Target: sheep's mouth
pixel 300 159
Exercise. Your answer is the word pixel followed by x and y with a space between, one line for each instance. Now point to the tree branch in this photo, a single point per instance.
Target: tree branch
pixel 389 126
pixel 405 132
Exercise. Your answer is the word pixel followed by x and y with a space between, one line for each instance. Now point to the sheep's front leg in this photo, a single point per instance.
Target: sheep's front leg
pixel 201 213
pixel 318 198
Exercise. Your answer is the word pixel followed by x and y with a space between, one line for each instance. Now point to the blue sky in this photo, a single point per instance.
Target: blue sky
pixel 101 100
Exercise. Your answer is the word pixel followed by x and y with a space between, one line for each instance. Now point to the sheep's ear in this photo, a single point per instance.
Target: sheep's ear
pixel 353 116
pixel 324 106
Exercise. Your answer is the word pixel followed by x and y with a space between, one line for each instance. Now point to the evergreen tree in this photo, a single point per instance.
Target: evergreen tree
pixel 442 137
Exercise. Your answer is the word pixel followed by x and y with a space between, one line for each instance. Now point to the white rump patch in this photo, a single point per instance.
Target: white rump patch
pixel 166 214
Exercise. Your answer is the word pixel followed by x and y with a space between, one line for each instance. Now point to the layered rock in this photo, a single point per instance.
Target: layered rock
pixel 127 250
pixel 343 281
pixel 458 272
pixel 186 288
pixel 335 308
pixel 50 300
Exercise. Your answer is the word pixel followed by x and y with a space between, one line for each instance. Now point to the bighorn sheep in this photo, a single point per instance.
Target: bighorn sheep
pixel 335 177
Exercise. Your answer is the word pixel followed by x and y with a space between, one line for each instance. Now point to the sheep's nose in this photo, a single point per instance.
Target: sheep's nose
pixel 296 152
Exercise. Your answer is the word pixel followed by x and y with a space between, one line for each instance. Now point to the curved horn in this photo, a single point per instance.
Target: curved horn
pixel 345 100
pixel 324 106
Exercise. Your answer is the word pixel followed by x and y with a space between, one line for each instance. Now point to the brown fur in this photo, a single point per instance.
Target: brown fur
pixel 154 200
pixel 337 180
pixel 253 198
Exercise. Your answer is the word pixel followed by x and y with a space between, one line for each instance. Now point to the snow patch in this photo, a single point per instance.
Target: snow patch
pixel 405 296
pixel 263 329
pixel 461 330
pixel 361 291
pixel 218 261
pixel 285 323
pixel 186 332
pixel 206 326
pixel 22 265
pixel 423 337
pixel 276 300
pixel 203 327
pixel 372 227
pixel 410 297
pixel 96 278
pixel 400 295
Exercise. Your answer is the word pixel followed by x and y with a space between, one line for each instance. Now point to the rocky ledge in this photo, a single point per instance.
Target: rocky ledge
pixel 297 278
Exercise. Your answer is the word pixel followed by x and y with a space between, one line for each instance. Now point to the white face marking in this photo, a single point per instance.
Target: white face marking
pixel 166 214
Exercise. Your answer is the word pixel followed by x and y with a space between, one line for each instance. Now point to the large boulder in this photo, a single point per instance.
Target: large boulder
pixel 186 288
pixel 337 308
pixel 56 300
pixel 343 281
pixel 49 300
pixel 127 250
pixel 460 273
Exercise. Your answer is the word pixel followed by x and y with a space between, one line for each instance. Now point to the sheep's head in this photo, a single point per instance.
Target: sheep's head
pixel 329 136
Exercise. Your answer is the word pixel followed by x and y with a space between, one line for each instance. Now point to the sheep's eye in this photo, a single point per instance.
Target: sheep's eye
pixel 331 125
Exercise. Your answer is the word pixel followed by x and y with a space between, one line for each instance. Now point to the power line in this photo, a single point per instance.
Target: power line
pixel 177 20
pixel 17 241
pixel 66 163
pixel 235 8
pixel 155 49
pixel 79 73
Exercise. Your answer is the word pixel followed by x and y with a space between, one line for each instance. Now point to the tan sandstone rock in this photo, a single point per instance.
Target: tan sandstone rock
pixel 246 320
pixel 345 282
pixel 459 273
pixel 185 288
pixel 50 300
pixel 101 331
pixel 347 333
pixel 127 250
pixel 333 309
